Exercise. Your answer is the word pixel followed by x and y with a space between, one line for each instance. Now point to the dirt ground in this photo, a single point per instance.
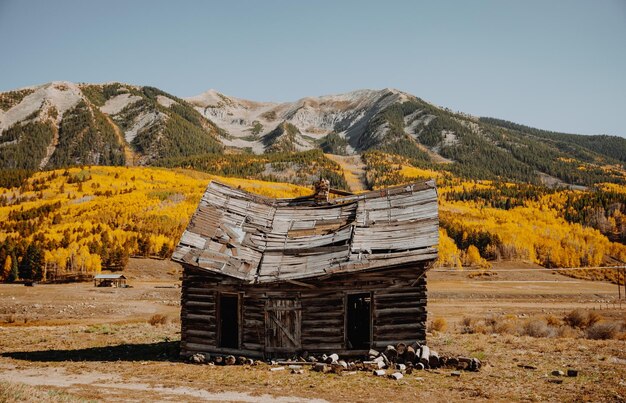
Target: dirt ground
pixel 76 342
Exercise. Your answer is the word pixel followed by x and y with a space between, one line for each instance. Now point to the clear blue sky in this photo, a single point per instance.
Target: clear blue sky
pixel 558 65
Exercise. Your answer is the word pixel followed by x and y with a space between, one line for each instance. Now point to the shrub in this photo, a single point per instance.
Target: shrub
pixel 507 326
pixel 575 318
pixel 157 319
pixel 467 325
pixel 439 325
pixel 581 319
pixel 566 332
pixel 467 321
pixel 537 328
pixel 480 328
pixel 491 320
pixel 593 318
pixel 603 331
pixel 554 321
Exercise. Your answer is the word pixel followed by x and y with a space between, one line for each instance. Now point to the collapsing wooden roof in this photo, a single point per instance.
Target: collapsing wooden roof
pixel 259 239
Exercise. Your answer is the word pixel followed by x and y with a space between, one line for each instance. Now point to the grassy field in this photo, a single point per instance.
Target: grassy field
pixel 76 342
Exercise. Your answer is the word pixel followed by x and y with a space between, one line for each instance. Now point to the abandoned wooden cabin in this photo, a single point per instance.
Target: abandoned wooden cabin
pixel 272 277
pixel 109 280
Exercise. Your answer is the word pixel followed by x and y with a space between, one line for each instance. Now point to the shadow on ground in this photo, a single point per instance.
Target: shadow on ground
pixel 161 351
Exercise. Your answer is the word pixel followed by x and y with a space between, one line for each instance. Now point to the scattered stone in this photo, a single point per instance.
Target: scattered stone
pixel 396 375
pixel 230 360
pixel 321 367
pixel 409 355
pixel 475 364
pixel 379 372
pixel 391 353
pixel 336 368
pixel 297 371
pixel 557 381
pixel 455 373
pixel 525 366
pixel 558 372
pixel 433 359
pixel 198 358
pixel 274 369
pixel 374 364
pixel 572 372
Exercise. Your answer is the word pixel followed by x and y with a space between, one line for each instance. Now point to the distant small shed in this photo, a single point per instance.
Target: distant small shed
pixel 109 280
pixel 273 277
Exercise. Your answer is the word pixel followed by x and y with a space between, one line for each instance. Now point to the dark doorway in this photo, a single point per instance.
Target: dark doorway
pixel 229 321
pixel 359 321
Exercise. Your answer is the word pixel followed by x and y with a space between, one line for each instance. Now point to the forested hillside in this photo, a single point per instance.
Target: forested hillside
pixel 300 168
pixel 64 124
pixel 80 220
pixel 482 220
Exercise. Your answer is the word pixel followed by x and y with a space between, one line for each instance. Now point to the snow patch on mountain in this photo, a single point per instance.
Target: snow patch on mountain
pixel 256 146
pixel 415 127
pixel 236 116
pixel 165 101
pixel 114 105
pixel 141 122
pixel 314 117
pixel 61 95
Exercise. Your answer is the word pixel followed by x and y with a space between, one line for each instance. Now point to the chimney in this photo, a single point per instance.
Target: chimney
pixel 322 191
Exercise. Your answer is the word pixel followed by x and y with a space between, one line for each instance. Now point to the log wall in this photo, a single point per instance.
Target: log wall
pixel 398 309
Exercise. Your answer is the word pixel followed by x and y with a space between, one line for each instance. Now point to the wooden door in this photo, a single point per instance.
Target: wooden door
pixel 282 325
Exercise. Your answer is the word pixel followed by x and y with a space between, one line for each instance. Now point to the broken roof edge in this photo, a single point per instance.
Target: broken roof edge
pixel 344 268
pixel 372 194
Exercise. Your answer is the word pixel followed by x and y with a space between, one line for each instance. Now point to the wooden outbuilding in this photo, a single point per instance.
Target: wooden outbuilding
pixel 273 277
pixel 109 280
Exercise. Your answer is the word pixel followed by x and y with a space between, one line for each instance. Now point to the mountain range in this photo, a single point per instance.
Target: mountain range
pixel 62 124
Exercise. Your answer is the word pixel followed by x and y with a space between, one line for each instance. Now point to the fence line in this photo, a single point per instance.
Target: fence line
pixel 621 273
pixel 538 269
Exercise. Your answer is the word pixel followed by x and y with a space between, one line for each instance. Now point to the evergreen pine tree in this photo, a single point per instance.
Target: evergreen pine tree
pixel 31 266
pixel 13 274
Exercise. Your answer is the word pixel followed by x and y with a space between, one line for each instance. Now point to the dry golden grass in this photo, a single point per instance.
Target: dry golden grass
pixel 110 336
pixel 576 324
pixel 16 392
pixel 157 319
pixel 145 355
